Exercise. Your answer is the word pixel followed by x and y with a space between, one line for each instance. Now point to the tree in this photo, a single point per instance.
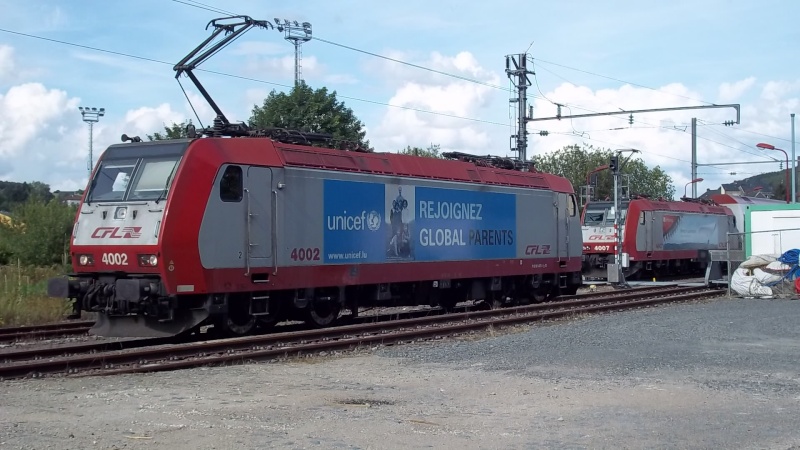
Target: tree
pixel 310 110
pixel 779 192
pixel 431 152
pixel 574 163
pixel 176 131
pixel 12 193
pixel 39 232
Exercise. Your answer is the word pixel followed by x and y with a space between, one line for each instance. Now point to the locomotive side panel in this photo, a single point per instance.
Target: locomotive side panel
pixel 343 218
pixel 678 231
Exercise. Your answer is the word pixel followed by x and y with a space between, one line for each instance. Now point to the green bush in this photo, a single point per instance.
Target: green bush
pixel 39 234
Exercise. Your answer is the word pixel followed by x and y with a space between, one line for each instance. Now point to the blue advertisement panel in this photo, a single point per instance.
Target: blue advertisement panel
pixel 354 230
pixel 691 232
pixel 375 222
pixel 464 225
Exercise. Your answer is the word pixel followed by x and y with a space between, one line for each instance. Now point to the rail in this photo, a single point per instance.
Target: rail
pixel 196 354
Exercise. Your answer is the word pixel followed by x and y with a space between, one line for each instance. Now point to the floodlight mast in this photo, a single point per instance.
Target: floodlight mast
pixel 297 35
pixel 232 32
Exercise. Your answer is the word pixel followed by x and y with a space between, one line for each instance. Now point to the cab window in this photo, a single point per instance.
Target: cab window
pixel 571 208
pixel 231 185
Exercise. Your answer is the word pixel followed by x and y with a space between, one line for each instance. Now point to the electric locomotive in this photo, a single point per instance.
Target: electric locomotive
pixel 241 229
pixel 660 237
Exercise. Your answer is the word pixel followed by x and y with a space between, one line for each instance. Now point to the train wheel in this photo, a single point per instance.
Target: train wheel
pixel 541 293
pixel 238 321
pixel 495 300
pixel 322 313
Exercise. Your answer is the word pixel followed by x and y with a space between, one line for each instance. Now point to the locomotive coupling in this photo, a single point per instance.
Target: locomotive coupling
pixel 134 290
pixel 66 288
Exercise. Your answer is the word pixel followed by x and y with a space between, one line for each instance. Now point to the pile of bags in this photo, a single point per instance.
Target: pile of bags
pixel 767 275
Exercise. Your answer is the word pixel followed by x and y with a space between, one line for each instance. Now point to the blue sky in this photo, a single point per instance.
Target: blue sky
pixel 628 55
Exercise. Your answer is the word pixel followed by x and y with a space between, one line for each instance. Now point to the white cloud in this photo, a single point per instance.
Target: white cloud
pixel 30 111
pixel 664 137
pixel 6 62
pixel 438 93
pixel 146 120
pixel 668 147
pixel 42 136
pixel 729 92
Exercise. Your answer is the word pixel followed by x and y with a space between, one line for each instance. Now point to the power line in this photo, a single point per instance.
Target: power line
pixel 316 38
pixel 669 128
pixel 215 9
pixel 753 132
pixel 622 81
pixel 256 80
pixel 342 96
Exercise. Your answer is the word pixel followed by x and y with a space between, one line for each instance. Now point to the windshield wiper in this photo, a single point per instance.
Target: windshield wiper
pixel 166 185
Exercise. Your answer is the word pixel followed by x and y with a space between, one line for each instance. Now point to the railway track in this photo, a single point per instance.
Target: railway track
pixel 127 344
pixel 12 334
pixel 278 345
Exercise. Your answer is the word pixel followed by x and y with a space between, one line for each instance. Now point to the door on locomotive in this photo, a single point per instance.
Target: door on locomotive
pixel 261 213
pixel 237 229
pixel 648 223
pixel 563 214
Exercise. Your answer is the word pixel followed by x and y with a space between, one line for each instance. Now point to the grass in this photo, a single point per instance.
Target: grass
pixel 23 297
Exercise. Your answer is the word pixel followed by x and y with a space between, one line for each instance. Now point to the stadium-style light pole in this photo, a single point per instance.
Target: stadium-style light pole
pixel 696 180
pixel 297 34
pixel 91 116
pixel 772 147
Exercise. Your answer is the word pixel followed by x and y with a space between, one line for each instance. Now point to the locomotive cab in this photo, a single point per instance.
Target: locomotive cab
pixel 115 252
pixel 599 245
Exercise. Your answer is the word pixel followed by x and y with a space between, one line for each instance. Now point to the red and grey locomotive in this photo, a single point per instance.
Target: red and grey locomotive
pixel 242 228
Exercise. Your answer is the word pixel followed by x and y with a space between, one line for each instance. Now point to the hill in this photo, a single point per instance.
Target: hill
pixel 770 184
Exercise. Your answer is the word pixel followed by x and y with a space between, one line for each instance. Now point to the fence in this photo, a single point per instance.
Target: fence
pixel 741 246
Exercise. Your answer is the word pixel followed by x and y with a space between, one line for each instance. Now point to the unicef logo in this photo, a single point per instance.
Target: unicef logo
pixel 373 220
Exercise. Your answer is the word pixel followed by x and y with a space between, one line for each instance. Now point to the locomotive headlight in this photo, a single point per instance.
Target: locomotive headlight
pixel 148 260
pixel 85 260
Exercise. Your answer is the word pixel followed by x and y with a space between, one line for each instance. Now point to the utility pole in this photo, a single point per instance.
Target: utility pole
pixel 694 156
pixel 794 166
pixel 615 167
pixel 735 106
pixel 519 76
pixel 297 34
pixel 91 116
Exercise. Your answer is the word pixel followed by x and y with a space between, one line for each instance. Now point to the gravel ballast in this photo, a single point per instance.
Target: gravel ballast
pixel 717 374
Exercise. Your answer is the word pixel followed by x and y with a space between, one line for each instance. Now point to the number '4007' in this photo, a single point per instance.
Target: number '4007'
pixel 305 254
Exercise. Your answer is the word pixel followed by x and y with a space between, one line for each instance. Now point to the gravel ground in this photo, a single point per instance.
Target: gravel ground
pixel 721 374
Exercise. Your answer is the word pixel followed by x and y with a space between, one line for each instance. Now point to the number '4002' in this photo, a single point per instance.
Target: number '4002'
pixel 115 259
pixel 305 254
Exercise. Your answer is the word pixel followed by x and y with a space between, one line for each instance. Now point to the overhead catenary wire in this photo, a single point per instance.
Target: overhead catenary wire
pixel 129 55
pixel 256 80
pixel 205 6
pixel 217 10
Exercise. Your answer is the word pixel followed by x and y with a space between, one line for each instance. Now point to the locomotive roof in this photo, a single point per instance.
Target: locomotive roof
pixel 417 167
pixel 726 199
pixel 648 204
pixel 252 150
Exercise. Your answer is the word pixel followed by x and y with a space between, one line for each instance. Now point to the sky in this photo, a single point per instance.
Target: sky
pixel 415 73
